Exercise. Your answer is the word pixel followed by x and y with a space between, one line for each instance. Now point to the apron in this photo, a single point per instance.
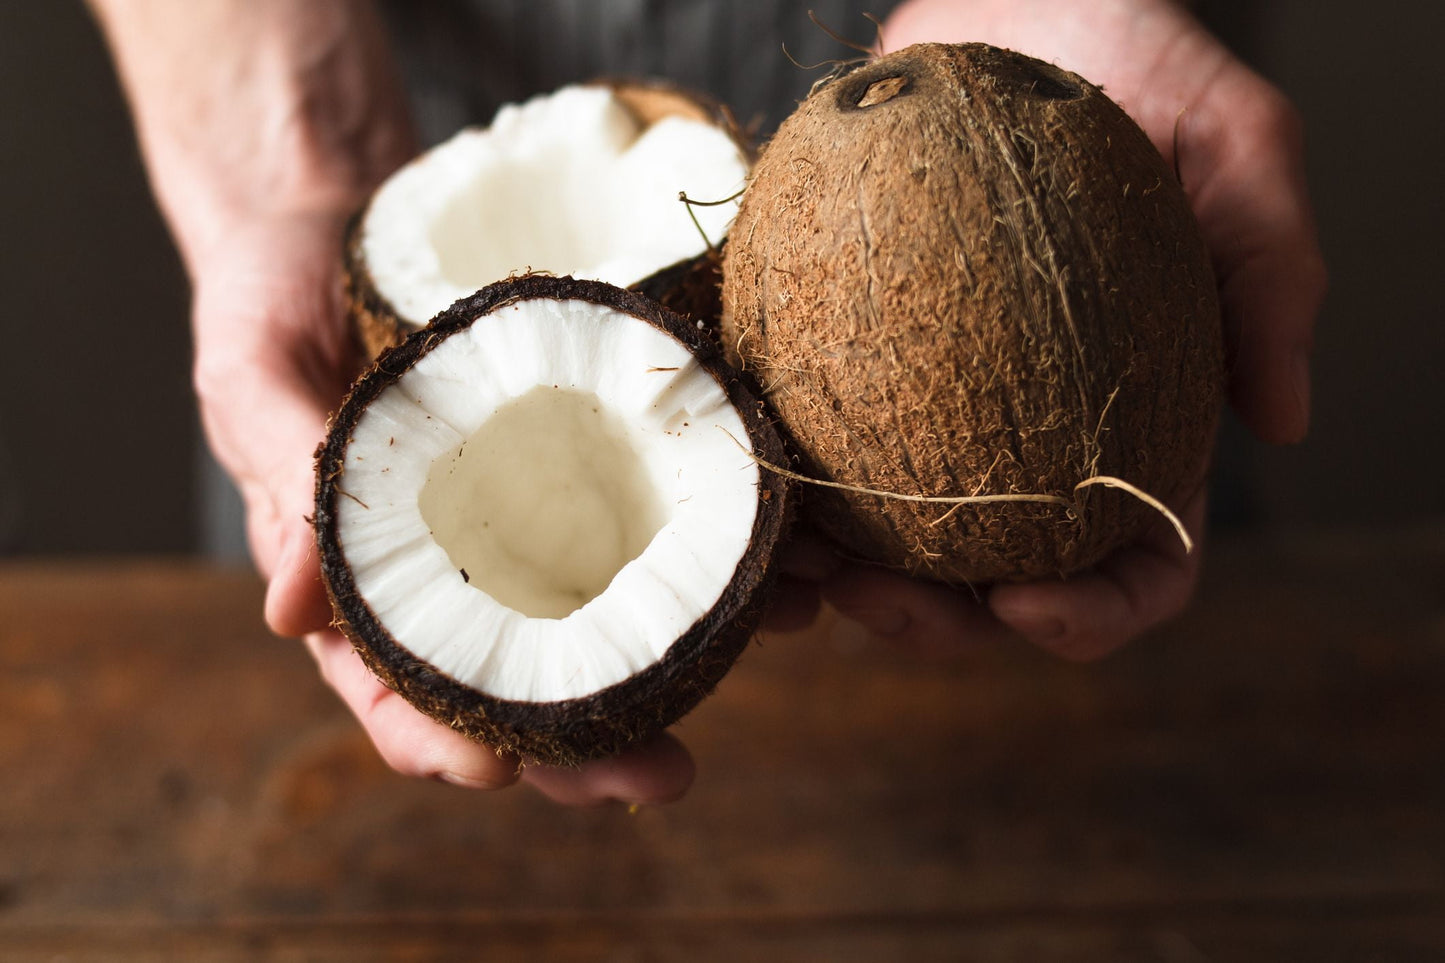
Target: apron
pixel 464 58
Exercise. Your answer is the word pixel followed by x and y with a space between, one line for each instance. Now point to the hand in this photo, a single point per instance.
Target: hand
pixel 1239 154
pixel 264 126
pixel 273 357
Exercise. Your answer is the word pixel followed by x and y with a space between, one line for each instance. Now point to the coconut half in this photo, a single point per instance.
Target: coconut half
pixel 584 181
pixel 539 520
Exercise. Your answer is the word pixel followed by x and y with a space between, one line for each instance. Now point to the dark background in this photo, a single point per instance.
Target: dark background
pixel 99 448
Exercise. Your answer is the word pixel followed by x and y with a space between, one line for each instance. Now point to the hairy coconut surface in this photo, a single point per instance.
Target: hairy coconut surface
pixel 539 521
pixel 960 271
pixel 583 181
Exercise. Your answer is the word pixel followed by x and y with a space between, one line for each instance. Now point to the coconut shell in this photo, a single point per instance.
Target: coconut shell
pixel 374 319
pixel 689 287
pixel 570 731
pixel 652 99
pixel 961 271
pixel 692 289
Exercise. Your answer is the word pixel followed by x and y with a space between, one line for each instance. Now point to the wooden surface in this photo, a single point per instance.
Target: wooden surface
pixel 1264 781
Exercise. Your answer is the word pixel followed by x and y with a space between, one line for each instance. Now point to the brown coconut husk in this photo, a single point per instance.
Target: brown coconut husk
pixel 961 271
pixel 570 731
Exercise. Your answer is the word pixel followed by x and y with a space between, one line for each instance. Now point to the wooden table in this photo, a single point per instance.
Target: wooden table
pixel 1264 781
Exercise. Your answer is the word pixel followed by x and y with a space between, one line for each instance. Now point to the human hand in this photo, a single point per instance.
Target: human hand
pixel 263 127
pixel 273 357
pixel 1237 145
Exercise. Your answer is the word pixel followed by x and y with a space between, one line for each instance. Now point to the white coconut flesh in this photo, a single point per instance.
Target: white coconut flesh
pixel 566 183
pixel 586 474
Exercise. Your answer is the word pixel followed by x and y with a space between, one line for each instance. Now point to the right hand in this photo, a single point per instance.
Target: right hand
pixel 273 357
pixel 264 125
pixel 1237 145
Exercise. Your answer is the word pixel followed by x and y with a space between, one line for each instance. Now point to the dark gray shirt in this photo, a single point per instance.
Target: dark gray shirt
pixel 464 58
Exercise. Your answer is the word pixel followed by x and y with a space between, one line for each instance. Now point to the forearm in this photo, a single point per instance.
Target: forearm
pixel 257 108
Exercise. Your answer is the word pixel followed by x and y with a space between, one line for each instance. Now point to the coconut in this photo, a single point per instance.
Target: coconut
pixel 960 271
pixel 541 520
pixel 584 181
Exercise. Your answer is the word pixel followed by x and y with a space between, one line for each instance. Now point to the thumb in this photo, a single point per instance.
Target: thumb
pixel 264 424
pixel 273 354
pixel 296 600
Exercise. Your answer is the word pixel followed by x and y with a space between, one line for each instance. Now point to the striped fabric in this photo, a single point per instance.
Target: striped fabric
pixel 463 58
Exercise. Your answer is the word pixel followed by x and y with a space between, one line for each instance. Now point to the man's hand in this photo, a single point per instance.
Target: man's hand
pixel 265 125
pixel 1237 145
pixel 273 357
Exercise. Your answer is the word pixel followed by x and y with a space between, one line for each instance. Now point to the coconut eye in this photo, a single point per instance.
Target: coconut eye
pixel 872 86
pixel 882 91
pixel 1039 80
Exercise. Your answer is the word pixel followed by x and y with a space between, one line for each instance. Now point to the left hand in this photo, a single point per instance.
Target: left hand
pixel 1240 156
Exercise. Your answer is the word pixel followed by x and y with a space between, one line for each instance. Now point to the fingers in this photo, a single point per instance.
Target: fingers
pixel 1241 156
pixel 804 561
pixel 296 600
pixel 1270 303
pixel 272 358
pixel 1080 618
pixel 408 741
pixel 1090 615
pixel 267 446
pixel 659 770
pixel 925 617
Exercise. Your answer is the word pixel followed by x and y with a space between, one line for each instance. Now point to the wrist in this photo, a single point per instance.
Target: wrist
pixel 214 216
pixel 246 111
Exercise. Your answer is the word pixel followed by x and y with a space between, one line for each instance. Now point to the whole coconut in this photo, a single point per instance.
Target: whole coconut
pixel 961 271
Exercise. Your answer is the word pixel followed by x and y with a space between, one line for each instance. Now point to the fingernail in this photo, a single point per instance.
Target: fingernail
pixel 879 621
pixel 1040 631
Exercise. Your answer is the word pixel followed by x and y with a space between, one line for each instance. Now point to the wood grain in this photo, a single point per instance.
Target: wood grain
pixel 1261 781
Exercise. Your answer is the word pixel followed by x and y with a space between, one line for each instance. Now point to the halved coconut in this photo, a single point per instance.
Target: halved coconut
pixel 539 520
pixel 584 182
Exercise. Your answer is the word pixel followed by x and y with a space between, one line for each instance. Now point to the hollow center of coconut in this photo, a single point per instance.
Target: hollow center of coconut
pixel 568 183
pixel 547 500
